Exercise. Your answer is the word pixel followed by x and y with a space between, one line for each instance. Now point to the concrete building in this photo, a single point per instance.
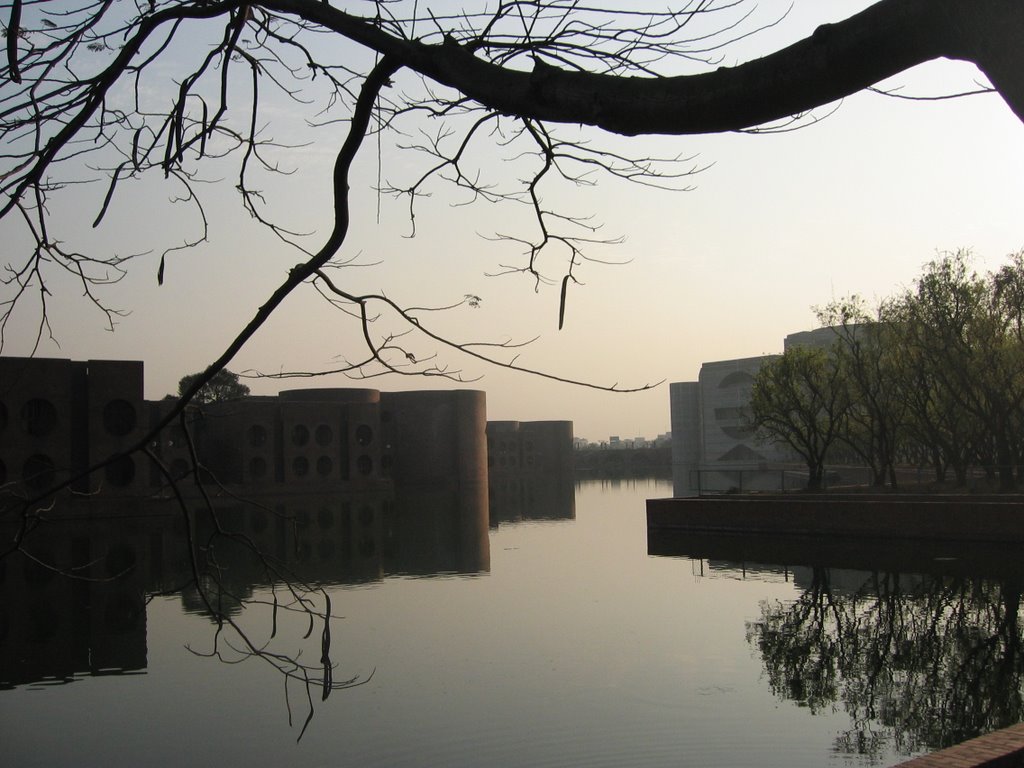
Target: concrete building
pixel 59 417
pixel 530 471
pixel 714 447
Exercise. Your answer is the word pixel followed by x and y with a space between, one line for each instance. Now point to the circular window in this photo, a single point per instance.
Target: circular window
pixel 38 417
pixel 120 472
pixel 38 471
pixel 300 434
pixel 324 465
pixel 364 434
pixel 119 417
pixel 323 435
pixel 257 468
pixel 364 464
pixel 257 435
pixel 300 466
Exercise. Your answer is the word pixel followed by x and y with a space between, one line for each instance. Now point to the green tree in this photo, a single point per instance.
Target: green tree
pixel 223 386
pixel 963 330
pixel 936 321
pixel 867 350
pixel 800 398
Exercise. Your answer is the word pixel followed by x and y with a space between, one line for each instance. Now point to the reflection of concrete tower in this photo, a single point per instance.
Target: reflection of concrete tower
pixel 530 469
pixel 54 627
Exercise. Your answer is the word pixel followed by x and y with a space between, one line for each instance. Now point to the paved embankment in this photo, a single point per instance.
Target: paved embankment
pixel 960 518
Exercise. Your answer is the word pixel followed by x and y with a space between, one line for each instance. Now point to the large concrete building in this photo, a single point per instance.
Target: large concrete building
pixel 60 417
pixel 714 446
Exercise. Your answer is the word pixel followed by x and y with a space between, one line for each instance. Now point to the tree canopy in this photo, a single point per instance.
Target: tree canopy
pixel 934 376
pixel 222 387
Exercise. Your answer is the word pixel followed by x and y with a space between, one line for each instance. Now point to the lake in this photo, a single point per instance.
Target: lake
pixel 549 638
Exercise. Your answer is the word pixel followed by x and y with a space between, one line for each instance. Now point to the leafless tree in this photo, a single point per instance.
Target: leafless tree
pixel 77 107
pixel 98 95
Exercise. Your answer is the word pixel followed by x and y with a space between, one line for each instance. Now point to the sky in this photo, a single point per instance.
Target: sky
pixel 777 224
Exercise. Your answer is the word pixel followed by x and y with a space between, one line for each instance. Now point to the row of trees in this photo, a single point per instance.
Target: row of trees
pixel 931 377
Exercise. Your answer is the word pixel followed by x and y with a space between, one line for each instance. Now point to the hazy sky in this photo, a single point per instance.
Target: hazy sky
pixel 856 203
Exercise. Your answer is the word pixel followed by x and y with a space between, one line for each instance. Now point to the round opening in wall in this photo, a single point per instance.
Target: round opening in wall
pixel 38 417
pixel 257 435
pixel 119 417
pixel 364 464
pixel 120 472
pixel 364 435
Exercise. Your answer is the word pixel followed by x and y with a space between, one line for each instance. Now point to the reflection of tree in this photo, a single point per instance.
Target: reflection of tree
pixel 921 662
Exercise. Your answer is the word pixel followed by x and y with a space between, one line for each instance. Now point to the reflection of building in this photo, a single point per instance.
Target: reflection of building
pixel 713 445
pixel 339 486
pixel 530 468
pixel 54 627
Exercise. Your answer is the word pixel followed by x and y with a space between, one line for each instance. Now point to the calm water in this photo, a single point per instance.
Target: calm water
pixel 543 642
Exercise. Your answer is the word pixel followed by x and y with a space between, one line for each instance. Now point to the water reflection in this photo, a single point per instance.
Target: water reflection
pixel 53 627
pixel 73 601
pixel 921 646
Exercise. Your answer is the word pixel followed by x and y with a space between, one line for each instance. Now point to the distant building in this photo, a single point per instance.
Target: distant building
pixel 714 446
pixel 59 417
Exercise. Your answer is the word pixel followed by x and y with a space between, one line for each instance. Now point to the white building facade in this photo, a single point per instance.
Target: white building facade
pixel 714 446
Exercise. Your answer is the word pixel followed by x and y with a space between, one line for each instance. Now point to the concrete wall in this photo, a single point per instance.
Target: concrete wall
pixel 529 447
pixel 57 417
pixel 435 436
